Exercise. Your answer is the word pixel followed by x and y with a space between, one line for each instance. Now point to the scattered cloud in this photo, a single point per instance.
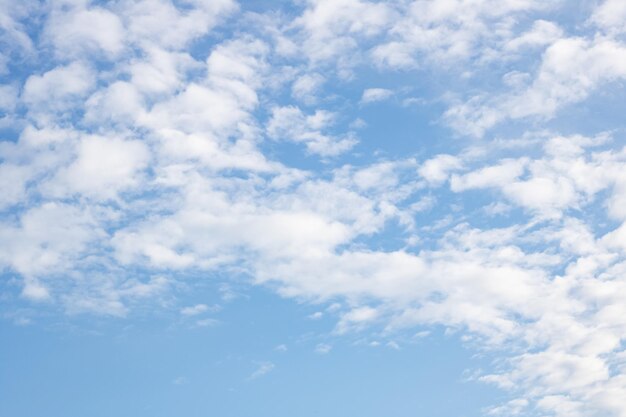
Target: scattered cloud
pixel 181 380
pixel 291 124
pixel 316 316
pixel 134 157
pixel 207 322
pixel 194 310
pixel 372 95
pixel 323 348
pixel 263 369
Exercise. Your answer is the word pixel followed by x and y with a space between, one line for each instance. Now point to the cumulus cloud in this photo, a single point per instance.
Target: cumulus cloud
pixel 610 15
pixel 103 167
pixel 144 20
pixel 291 124
pixel 445 32
pixel 371 95
pixel 194 310
pixel 436 170
pixel 306 87
pixel 58 88
pixel 75 29
pixel 571 69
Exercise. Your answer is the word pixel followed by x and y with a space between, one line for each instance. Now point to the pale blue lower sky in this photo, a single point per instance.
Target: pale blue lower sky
pixel 159 367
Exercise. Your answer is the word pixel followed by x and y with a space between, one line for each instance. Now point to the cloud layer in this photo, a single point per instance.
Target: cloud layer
pixel 229 141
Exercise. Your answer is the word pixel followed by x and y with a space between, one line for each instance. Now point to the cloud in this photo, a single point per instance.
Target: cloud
pixel 143 152
pixel 446 32
pixel 102 168
pixel 162 72
pixel 610 15
pixel 194 310
pixel 291 124
pixel 542 33
pixel 14 37
pixel 145 18
pixel 263 369
pixel 357 318
pixel 316 316
pixel 181 380
pixel 500 175
pixel 436 170
pixel 113 296
pixel 46 239
pixel 207 322
pixel 58 88
pixel 75 30
pixel 372 95
pixel 330 30
pixel 323 349
pixel 571 69
pixel 306 87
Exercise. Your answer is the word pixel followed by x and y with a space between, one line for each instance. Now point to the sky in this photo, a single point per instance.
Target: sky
pixel 306 208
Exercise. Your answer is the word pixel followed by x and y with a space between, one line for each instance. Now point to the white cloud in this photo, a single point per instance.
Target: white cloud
pixel 571 69
pixel 357 318
pixel 57 88
pixel 306 87
pixel 500 175
pixel 113 296
pixel 377 176
pixel 145 18
pixel 13 180
pixel 218 107
pixel 119 102
pixel 542 33
pixel 512 408
pixel 194 310
pixel 207 322
pixel 372 95
pixel 48 239
pixel 316 316
pixel 8 97
pixel 263 369
pixel 610 15
pixel 275 234
pixel 563 178
pixel 75 30
pixel 136 154
pixel 323 348
pixel 331 28
pixel 291 124
pixel 103 167
pixel 445 32
pixel 34 290
pixel 437 170
pixel 162 72
pixel 14 36
pixel 393 345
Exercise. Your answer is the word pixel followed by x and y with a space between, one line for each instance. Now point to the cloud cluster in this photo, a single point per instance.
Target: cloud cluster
pixel 143 151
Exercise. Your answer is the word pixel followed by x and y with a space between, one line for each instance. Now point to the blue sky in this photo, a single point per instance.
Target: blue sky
pixel 312 208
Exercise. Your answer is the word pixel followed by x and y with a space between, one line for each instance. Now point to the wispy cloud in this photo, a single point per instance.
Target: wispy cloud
pixel 372 95
pixel 263 369
pixel 323 348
